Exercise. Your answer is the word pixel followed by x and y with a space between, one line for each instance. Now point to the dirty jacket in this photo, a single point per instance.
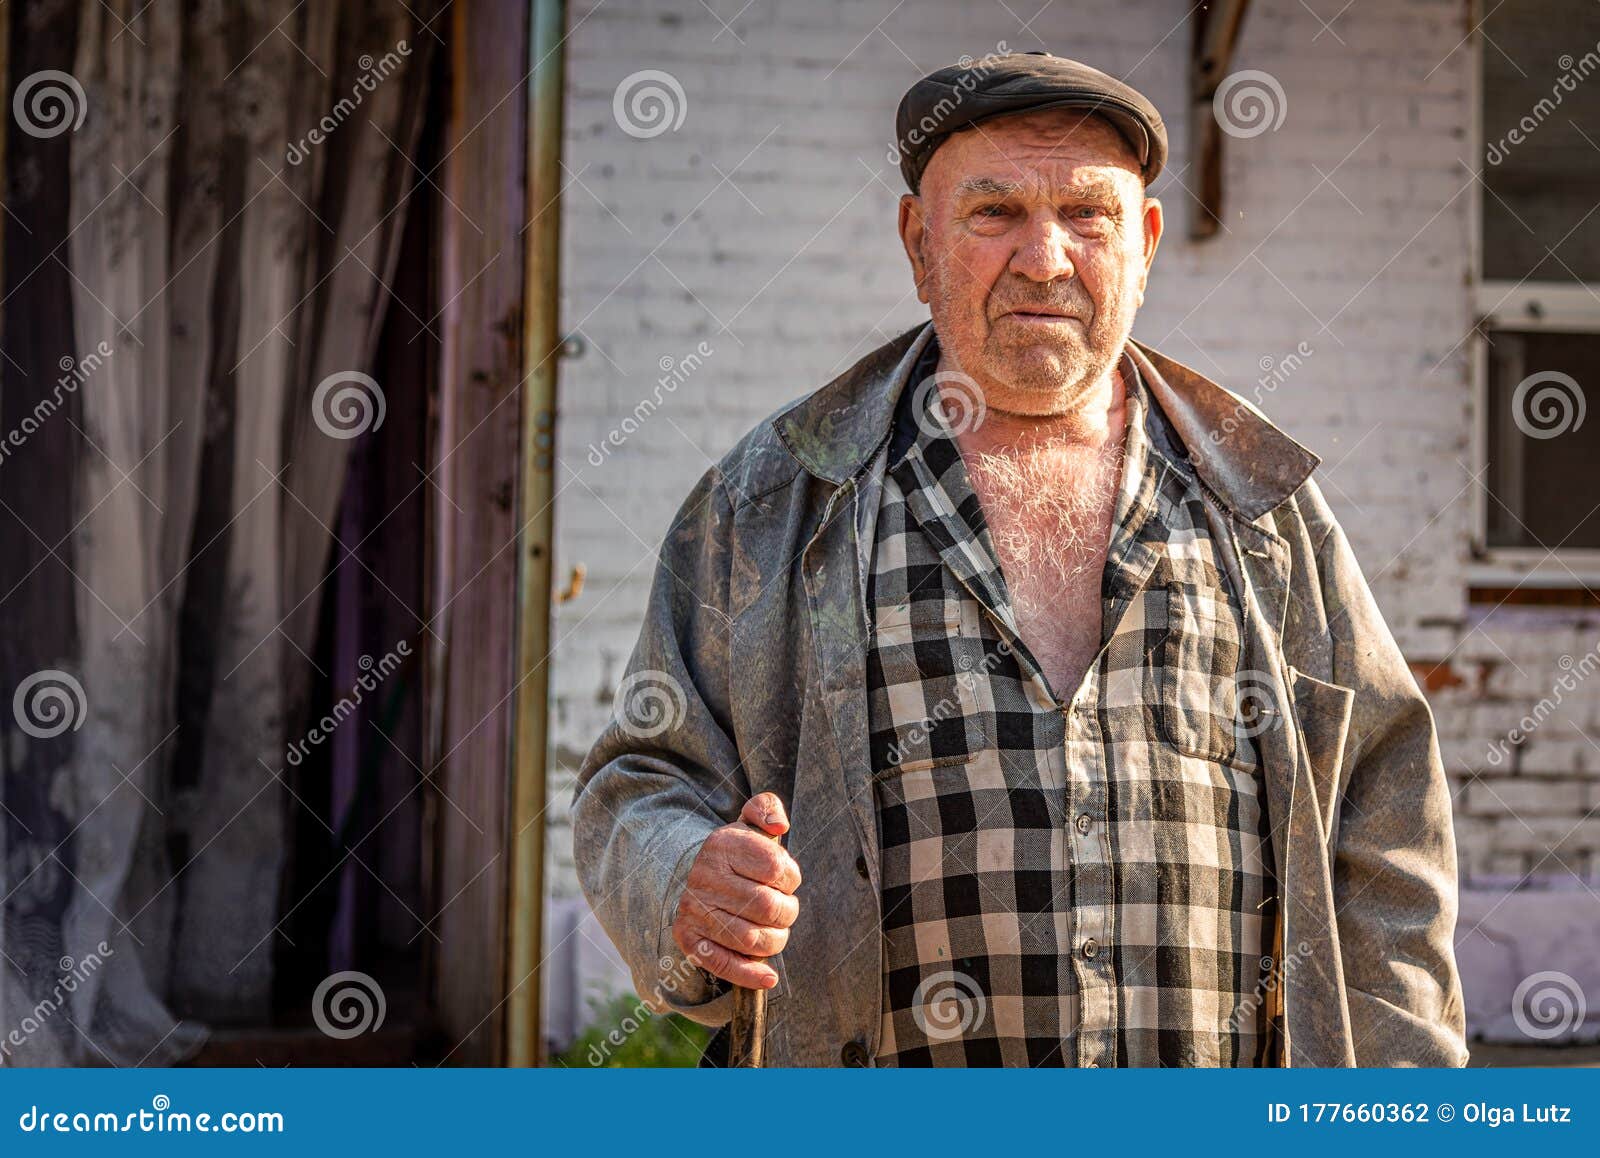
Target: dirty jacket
pixel 753 655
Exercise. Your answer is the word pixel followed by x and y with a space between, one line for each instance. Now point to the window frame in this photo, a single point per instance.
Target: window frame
pixel 1526 305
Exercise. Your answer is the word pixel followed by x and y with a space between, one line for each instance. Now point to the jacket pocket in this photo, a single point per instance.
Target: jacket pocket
pixel 1209 707
pixel 1322 717
pixel 923 677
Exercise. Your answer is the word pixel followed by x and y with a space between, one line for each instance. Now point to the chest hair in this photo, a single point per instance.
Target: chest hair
pixel 1049 507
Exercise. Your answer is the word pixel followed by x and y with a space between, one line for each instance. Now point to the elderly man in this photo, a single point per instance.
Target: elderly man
pixel 1045 661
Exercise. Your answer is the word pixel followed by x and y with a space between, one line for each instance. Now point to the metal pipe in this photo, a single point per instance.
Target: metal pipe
pixel 541 345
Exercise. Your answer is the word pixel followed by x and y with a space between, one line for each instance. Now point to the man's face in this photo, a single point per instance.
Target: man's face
pixel 1031 242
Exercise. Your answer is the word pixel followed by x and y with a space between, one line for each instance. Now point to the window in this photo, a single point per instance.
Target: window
pixel 1537 286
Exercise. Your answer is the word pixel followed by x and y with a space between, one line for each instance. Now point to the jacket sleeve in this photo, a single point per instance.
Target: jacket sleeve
pixel 665 772
pixel 1395 862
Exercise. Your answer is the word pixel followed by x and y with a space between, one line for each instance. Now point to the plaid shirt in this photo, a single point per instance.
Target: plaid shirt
pixel 1080 883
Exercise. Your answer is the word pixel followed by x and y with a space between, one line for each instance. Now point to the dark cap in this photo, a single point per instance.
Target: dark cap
pixel 962 95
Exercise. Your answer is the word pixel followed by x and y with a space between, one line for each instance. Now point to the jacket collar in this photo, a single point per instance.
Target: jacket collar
pixel 1249 463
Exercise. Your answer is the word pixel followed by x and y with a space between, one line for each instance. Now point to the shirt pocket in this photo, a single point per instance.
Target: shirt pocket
pixel 927 709
pixel 1209 706
pixel 944 829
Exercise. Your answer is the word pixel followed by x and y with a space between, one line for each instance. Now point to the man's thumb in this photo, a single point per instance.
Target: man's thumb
pixel 766 812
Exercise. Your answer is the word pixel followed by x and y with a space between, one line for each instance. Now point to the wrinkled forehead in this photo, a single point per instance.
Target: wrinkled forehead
pixel 1086 184
pixel 1040 153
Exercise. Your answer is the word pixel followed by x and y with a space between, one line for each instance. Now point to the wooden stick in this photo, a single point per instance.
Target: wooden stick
pixel 747 1031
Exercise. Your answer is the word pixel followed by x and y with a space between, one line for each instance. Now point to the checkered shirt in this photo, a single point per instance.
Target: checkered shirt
pixel 1081 882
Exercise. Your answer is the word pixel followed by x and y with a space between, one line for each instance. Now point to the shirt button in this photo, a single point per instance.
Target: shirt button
pixel 1091 947
pixel 1085 822
pixel 861 867
pixel 854 1055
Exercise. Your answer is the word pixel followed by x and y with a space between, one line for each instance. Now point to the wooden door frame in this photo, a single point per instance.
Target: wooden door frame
pixel 498 236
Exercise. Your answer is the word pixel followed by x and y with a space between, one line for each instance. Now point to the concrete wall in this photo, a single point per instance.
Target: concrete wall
pixel 764 227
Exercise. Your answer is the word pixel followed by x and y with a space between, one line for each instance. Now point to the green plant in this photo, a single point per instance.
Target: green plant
pixel 626 1035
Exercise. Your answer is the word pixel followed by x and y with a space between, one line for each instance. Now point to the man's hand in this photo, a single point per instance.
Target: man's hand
pixel 739 902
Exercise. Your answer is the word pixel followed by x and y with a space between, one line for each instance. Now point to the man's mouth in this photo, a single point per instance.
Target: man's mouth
pixel 1040 316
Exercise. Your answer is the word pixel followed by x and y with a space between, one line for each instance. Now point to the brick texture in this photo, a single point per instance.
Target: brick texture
pixel 764 227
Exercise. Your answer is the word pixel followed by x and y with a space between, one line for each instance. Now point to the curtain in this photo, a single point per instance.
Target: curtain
pixel 237 192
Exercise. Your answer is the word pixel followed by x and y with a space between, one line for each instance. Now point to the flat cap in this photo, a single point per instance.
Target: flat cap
pixel 962 95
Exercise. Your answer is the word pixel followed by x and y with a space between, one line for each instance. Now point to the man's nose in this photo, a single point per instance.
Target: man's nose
pixel 1044 254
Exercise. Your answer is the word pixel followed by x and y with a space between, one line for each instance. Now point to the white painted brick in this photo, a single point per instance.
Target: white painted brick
pixel 1518 796
pixel 801 98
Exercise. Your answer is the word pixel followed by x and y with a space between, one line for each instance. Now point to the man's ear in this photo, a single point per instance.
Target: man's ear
pixel 912 235
pixel 1153 220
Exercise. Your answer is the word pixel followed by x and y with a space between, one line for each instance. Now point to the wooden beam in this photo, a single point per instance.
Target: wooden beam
pixel 1216 32
pixel 474 573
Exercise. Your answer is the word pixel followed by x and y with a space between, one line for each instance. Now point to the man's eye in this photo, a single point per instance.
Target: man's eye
pixel 990 211
pixel 1088 212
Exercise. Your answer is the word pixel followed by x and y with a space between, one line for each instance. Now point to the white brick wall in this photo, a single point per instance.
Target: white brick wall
pixel 791 269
